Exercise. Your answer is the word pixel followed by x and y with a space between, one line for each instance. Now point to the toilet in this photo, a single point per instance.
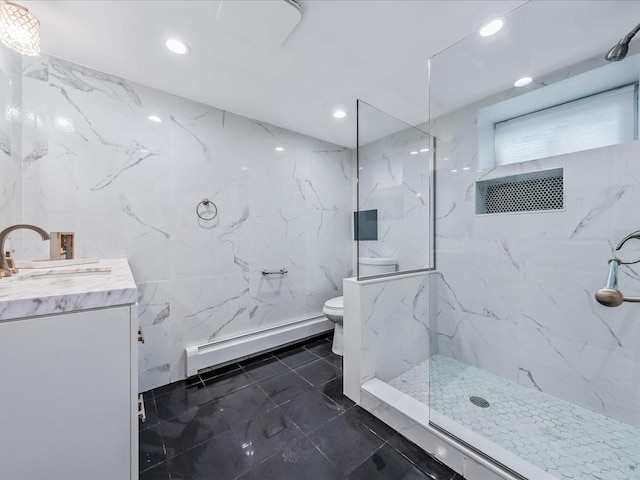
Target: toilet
pixel 334 307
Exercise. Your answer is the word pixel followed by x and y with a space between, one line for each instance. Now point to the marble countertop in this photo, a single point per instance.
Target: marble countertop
pixel 34 292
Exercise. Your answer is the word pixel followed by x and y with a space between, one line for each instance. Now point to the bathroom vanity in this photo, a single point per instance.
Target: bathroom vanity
pixel 68 367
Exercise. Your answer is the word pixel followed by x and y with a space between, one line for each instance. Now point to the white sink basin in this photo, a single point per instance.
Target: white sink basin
pixel 36 274
pixel 37 264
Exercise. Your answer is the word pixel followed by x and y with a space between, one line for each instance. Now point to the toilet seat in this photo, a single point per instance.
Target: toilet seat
pixel 335 304
pixel 334 310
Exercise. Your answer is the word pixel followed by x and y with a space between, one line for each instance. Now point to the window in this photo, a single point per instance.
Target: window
pixel 606 118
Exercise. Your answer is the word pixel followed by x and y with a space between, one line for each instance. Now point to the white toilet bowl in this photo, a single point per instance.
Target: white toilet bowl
pixel 334 310
pixel 334 307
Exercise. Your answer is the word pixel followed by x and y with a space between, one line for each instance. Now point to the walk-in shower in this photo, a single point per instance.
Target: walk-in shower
pixel 524 372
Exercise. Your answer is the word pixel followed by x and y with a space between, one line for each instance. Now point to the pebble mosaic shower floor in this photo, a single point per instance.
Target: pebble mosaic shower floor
pixel 568 441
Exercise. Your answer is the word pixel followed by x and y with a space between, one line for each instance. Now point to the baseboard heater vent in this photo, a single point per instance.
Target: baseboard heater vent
pixel 540 191
pixel 228 350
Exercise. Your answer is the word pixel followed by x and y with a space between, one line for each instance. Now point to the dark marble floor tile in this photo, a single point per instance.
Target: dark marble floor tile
pixel 296 357
pixel 318 372
pixel 265 368
pixel 244 404
pixel 159 472
pixel 151 448
pixel 184 402
pixel 457 476
pixel 285 387
pixel 150 410
pixel 333 390
pixel 422 459
pixel 218 459
pixel 333 359
pixel 381 429
pixel 248 476
pixel 256 358
pixel 320 347
pixel 211 372
pixel 311 410
pixel 266 435
pixel 346 442
pixel 226 383
pixel 386 464
pixel 160 391
pixel 183 432
pixel 301 461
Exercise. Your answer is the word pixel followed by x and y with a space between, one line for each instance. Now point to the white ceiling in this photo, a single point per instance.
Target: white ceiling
pixel 340 51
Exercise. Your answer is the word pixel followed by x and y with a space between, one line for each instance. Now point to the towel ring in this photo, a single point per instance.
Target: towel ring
pixel 206 202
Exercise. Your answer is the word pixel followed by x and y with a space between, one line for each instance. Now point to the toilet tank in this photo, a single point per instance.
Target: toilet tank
pixel 376 266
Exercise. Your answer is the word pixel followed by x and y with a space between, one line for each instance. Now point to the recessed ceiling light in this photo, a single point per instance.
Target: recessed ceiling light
pixel 491 28
pixel 454 170
pixel 154 118
pixel 523 82
pixel 279 149
pixel 415 152
pixel 177 46
pixel 339 114
pixel 423 150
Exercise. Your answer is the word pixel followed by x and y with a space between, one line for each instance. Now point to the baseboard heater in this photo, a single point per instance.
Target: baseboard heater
pixel 228 350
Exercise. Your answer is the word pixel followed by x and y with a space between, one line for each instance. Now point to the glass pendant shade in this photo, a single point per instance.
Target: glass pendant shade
pixel 19 30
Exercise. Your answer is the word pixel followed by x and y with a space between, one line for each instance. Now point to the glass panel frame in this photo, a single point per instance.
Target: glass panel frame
pixel 402 147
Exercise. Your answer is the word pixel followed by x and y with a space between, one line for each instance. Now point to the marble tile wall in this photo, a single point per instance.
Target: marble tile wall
pixel 94 164
pixel 10 130
pixel 396 183
pixel 394 322
pixel 515 292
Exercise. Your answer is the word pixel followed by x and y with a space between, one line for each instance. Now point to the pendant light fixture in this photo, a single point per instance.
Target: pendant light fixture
pixel 19 30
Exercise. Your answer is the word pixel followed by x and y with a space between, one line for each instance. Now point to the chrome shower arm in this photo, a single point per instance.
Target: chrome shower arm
pixel 612 279
pixel 631 34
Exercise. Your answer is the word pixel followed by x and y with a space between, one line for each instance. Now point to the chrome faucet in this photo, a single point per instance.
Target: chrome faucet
pixel 4 266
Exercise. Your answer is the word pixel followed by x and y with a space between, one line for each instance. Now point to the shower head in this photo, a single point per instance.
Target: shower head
pixel 618 52
pixel 609 297
pixel 620 49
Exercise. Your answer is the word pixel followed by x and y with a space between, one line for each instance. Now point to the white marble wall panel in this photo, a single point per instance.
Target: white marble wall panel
pixel 94 164
pixel 516 291
pixel 394 325
pixel 10 129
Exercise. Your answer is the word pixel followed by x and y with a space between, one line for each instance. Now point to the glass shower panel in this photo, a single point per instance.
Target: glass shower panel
pixel 528 368
pixel 392 223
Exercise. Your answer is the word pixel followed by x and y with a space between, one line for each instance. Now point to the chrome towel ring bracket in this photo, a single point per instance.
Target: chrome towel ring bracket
pixel 209 212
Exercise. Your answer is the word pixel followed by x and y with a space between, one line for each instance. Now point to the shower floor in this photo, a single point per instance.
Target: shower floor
pixel 568 441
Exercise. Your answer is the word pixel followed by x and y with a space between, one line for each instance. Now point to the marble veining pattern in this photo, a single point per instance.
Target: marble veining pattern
pixel 396 183
pixel 395 332
pixel 66 289
pixel 94 164
pixel 568 441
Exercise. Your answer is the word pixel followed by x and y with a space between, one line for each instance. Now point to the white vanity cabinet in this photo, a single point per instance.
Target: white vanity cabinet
pixel 68 395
